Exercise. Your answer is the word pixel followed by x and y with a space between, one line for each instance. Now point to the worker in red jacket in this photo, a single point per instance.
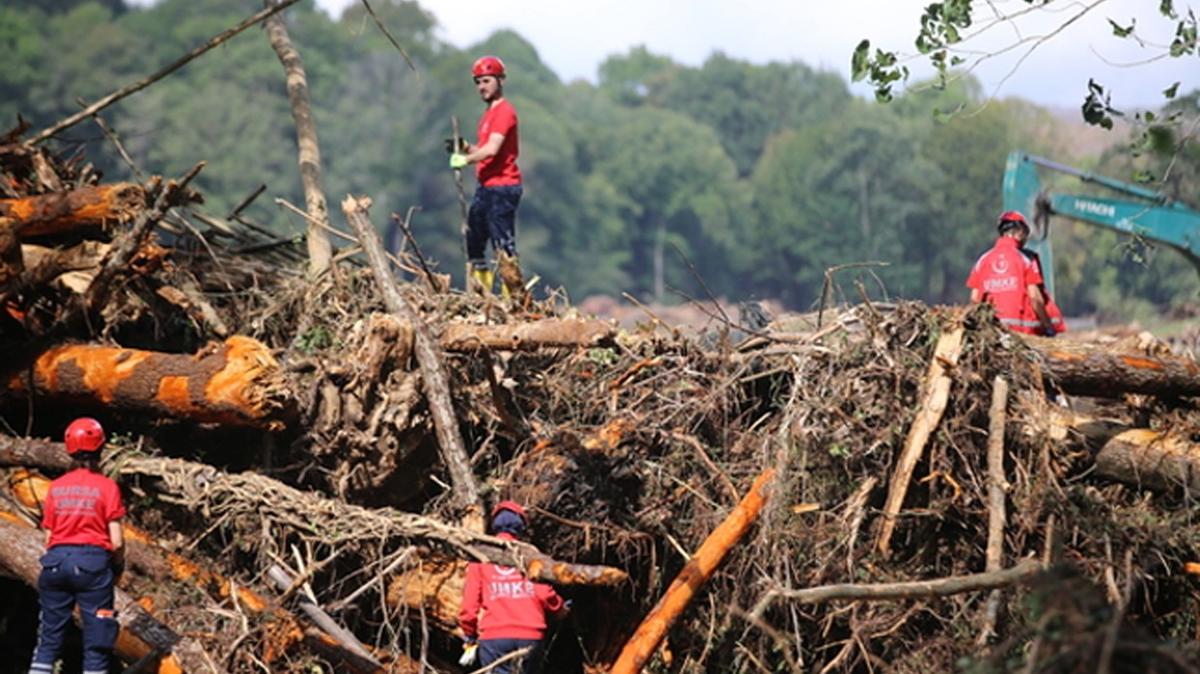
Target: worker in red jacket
pixel 1011 279
pixel 514 607
pixel 84 554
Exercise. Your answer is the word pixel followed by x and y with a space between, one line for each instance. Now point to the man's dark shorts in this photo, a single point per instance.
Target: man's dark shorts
pixel 493 217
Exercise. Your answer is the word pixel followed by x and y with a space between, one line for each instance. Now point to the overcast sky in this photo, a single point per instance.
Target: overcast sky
pixel 574 36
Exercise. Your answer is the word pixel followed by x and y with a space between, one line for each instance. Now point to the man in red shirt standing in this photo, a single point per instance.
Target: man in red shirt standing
pixel 1011 279
pixel 493 214
pixel 84 554
pixel 514 607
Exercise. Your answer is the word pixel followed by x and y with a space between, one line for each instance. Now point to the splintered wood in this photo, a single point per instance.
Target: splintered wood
pixel 933 404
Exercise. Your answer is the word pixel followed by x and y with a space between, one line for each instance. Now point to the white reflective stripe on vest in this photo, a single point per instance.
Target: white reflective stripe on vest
pixel 1020 322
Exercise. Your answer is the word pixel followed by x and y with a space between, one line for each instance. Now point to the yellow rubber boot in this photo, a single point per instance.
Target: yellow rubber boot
pixel 512 282
pixel 482 280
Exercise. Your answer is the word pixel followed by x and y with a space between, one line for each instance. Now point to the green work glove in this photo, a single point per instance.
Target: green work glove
pixel 458 160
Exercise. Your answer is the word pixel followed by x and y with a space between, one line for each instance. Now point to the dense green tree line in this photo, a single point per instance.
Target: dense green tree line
pixel 763 176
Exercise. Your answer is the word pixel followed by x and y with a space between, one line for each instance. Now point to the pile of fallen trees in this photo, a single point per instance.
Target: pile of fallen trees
pixel 877 485
pixel 307 447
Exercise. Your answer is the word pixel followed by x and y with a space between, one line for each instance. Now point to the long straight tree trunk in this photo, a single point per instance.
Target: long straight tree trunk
pixel 1090 370
pixel 320 250
pixel 660 236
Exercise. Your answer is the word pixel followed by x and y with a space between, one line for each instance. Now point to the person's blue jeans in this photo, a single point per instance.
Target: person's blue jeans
pixel 493 217
pixel 491 650
pixel 76 574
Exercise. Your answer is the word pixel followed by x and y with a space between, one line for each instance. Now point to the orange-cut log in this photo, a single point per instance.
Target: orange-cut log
pixel 86 207
pixel 639 649
pixel 236 383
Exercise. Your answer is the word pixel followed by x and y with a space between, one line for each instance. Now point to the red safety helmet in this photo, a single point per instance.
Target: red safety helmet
pixel 85 434
pixel 1008 219
pixel 488 65
pixel 513 507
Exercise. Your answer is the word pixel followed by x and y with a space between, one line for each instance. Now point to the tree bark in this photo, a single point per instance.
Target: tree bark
pixel 529 336
pixel 246 494
pixel 21 548
pixel 1090 370
pixel 433 371
pixel 236 383
pixel 320 249
pixel 62 212
pixel 433 589
pixel 919 589
pixel 997 488
pixel 33 453
pixel 644 642
pixel 358 656
pixel 1151 460
pixel 933 405
pixel 174 193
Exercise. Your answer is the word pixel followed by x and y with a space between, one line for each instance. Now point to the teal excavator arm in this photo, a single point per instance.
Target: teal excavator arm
pixel 1147 214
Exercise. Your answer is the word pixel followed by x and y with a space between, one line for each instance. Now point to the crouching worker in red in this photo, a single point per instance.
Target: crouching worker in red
pixel 514 607
pixel 84 554
pixel 1010 278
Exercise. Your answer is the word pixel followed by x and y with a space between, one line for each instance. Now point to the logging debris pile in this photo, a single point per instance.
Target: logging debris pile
pixel 942 495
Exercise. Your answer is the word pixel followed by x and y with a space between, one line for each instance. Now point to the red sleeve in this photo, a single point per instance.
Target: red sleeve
pixel 114 506
pixel 48 512
pixel 472 601
pixel 504 122
pixel 1033 274
pixel 551 602
pixel 973 280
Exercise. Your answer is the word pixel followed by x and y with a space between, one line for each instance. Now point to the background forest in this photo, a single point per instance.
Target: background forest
pixel 763 176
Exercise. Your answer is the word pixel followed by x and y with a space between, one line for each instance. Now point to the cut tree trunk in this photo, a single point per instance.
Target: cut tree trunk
pixel 1151 460
pixel 254 497
pixel 645 641
pixel 21 549
pixel 527 336
pixel 433 590
pixel 33 453
pixel 12 262
pixel 84 208
pixel 1090 370
pixel 320 249
pixel 433 370
pixel 236 383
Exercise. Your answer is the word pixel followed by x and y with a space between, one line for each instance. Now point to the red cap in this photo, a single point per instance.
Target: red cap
pixel 85 434
pixel 488 65
pixel 511 506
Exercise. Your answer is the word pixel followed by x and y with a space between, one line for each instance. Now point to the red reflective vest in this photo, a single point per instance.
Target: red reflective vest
pixel 1003 275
